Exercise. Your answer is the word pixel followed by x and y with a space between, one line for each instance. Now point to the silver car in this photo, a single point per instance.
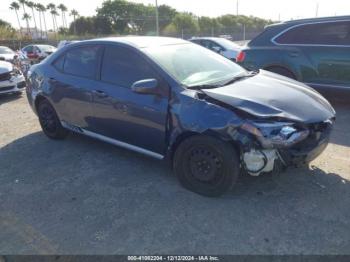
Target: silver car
pixel 7 54
pixel 219 45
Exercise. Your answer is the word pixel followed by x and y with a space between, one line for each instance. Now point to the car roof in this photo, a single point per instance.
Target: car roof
pixel 274 29
pixel 207 38
pixel 313 20
pixel 139 41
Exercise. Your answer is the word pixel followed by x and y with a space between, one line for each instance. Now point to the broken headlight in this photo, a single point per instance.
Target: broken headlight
pixel 276 134
pixel 15 72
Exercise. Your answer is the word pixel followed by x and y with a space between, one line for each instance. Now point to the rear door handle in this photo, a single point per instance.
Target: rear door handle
pixel 100 93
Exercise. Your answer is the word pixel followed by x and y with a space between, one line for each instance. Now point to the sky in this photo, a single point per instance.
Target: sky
pixel 269 9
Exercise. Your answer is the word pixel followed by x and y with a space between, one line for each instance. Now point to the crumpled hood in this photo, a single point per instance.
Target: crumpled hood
pixel 269 95
pixel 5 67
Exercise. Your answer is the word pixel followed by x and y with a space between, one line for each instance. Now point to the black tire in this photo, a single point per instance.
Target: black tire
pixel 49 121
pixel 281 71
pixel 206 165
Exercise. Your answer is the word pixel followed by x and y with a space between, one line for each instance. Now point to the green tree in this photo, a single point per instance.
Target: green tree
pixel 6 30
pixel 75 14
pixel 31 5
pixel 23 3
pixel 53 12
pixel 209 26
pixel 91 25
pixel 166 16
pixel 27 17
pixel 63 10
pixel 102 25
pixel 186 23
pixel 42 9
pixel 15 6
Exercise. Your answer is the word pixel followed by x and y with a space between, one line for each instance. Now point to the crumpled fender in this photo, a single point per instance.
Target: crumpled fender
pixel 192 114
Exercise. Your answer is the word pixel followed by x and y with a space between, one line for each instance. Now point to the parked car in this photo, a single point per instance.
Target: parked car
pixel 172 99
pixel 63 43
pixel 219 45
pixel 7 54
pixel 22 62
pixel 314 51
pixel 37 53
pixel 11 79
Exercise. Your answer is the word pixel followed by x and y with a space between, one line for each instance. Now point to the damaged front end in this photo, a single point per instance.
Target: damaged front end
pixel 266 144
pixel 283 144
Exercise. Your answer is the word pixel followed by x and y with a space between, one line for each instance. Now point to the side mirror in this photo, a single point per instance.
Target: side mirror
pixel 145 87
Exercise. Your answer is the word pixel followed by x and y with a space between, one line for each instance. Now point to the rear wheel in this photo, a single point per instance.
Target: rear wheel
pixel 49 121
pixel 281 71
pixel 206 165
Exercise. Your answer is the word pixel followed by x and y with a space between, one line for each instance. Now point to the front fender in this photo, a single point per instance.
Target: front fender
pixel 193 112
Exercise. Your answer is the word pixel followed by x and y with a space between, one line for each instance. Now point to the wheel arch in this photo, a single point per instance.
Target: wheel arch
pixel 38 99
pixel 188 134
pixel 284 67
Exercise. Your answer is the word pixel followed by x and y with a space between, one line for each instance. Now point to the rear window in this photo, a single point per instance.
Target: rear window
pixel 82 61
pixel 332 33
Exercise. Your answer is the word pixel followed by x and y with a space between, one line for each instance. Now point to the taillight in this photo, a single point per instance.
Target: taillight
pixel 240 57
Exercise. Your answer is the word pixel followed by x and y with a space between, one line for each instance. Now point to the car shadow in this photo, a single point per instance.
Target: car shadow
pixel 5 98
pixel 87 197
pixel 82 156
pixel 341 134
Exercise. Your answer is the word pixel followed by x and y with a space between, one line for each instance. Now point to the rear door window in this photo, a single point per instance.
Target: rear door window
pixel 83 61
pixel 331 33
pixel 123 67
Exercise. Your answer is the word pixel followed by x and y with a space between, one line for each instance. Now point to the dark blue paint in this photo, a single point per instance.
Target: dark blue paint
pixel 156 121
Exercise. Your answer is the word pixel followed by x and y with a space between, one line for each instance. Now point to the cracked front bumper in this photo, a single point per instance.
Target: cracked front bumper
pixel 259 161
pixel 15 84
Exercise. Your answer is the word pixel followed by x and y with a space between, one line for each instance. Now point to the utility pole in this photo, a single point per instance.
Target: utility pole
pixel 317 6
pixel 157 18
pixel 237 7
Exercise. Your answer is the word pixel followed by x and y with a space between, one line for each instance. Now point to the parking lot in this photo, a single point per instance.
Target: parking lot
pixel 81 196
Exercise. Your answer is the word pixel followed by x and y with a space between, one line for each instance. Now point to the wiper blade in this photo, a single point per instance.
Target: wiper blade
pixel 240 77
pixel 232 80
pixel 198 87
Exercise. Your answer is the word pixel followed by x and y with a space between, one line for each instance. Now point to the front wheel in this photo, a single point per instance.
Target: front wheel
pixel 206 165
pixel 49 121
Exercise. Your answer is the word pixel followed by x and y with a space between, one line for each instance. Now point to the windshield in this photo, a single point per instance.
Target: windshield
pixel 192 65
pixel 227 44
pixel 5 50
pixel 47 48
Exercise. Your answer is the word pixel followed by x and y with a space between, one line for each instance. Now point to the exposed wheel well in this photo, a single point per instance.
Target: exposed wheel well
pixel 282 70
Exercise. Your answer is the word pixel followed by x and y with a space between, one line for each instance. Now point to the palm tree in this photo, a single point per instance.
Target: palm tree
pixel 15 6
pixel 27 18
pixel 37 8
pixel 53 12
pixel 23 3
pixel 74 13
pixel 31 5
pixel 42 9
pixel 63 9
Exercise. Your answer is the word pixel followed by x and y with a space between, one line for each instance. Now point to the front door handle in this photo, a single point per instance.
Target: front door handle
pixel 100 93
